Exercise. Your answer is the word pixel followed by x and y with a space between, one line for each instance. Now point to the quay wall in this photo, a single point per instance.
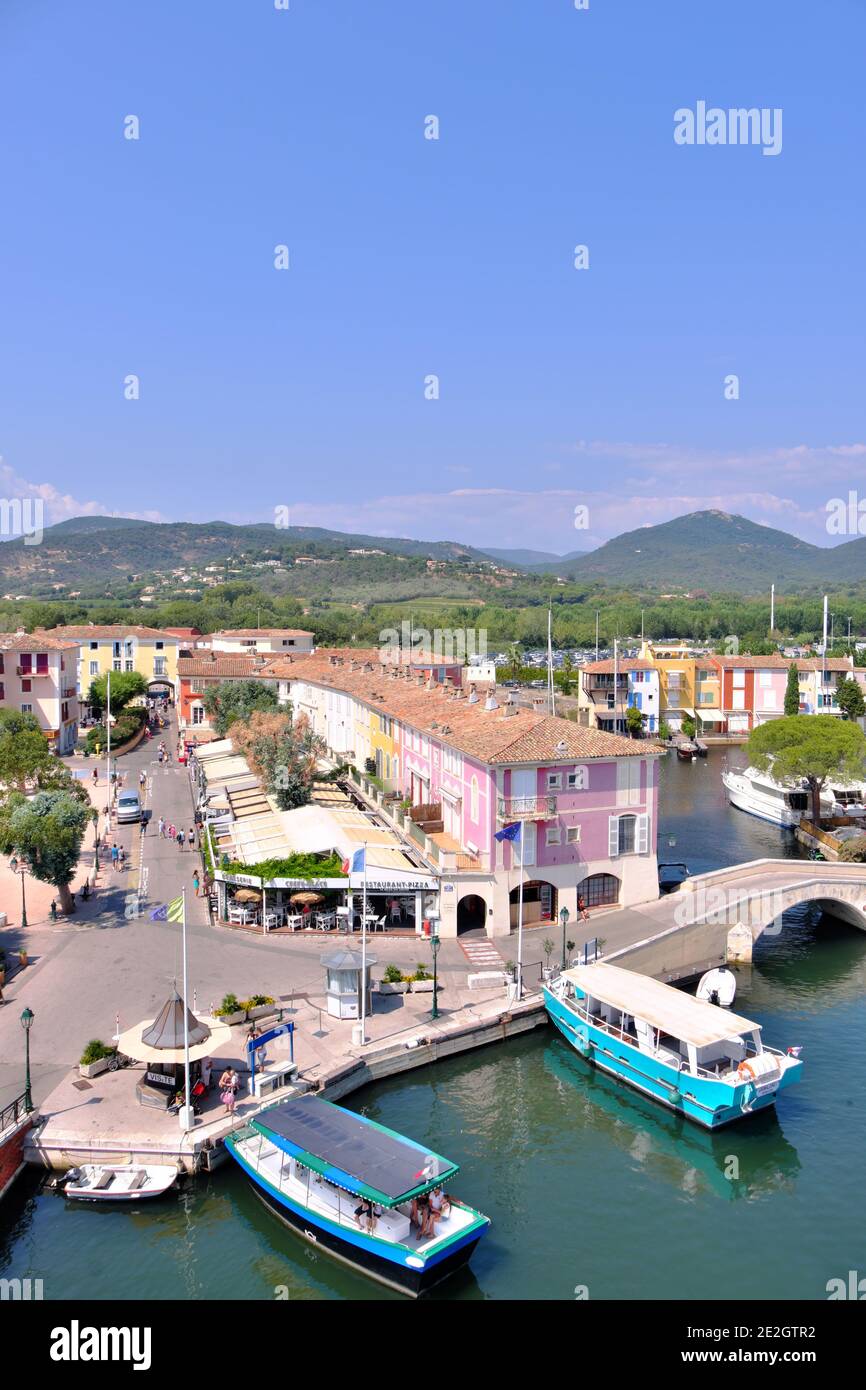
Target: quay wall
pixel 12 1156
pixel 49 1148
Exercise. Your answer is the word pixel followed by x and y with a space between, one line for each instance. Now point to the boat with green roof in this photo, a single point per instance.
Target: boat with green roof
pixel 351 1188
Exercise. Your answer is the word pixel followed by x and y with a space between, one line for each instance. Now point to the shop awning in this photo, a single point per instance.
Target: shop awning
pixel 711 716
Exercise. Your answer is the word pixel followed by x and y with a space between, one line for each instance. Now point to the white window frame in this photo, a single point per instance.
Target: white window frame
pixel 553 835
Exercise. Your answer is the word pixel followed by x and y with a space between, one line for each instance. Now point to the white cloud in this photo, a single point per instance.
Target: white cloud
pixel 58 506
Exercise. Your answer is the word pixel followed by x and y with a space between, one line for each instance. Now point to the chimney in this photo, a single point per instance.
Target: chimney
pixel 419 679
pixel 473 695
pixel 491 702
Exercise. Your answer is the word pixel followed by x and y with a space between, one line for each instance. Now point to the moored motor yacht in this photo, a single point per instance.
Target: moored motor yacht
pixel 761 795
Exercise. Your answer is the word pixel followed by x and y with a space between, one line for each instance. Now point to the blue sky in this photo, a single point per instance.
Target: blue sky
pixel 410 257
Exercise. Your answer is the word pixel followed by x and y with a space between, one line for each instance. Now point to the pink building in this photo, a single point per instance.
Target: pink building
pixel 38 675
pixel 587 801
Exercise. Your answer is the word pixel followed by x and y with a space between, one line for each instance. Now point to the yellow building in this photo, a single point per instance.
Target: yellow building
pixel 124 647
pixel 675 663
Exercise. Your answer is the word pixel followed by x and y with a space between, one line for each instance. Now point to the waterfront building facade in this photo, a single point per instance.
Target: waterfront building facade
pixel 456 767
pixel 38 675
pixel 599 706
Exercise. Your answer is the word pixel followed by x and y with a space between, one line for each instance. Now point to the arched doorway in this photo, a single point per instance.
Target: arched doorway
pixel 539 903
pixel 599 890
pixel 471 914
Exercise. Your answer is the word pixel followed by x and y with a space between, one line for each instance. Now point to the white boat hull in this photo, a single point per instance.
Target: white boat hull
pixel 126 1183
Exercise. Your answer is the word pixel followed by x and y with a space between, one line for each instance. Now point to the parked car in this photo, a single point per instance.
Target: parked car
pixel 128 807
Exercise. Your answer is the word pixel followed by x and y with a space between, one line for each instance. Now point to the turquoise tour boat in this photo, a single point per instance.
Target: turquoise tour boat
pixel 351 1188
pixel 702 1061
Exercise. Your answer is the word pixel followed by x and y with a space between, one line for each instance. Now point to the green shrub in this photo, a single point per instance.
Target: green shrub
pixel 95 1051
pixel 421 972
pixel 230 1005
pixel 393 975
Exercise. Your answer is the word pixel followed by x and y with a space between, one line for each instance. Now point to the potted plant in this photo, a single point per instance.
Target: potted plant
pixel 257 1006
pixel 392 982
pixel 230 1010
pixel 22 957
pixel 95 1058
pixel 511 970
pixel 422 980
pixel 547 947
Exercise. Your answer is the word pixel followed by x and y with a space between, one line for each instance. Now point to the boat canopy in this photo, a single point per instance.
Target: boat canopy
pixel 682 1016
pixel 353 1151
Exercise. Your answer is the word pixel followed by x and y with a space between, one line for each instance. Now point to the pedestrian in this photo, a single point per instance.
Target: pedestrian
pixel 227 1094
pixel 159 754
pixel 180 838
pixel 171 832
pixel 121 857
pixel 581 907
pixel 142 777
pixel 161 825
pixel 114 856
pixel 144 823
pixel 195 883
pixel 96 777
pixel 191 837
pixel 234 1083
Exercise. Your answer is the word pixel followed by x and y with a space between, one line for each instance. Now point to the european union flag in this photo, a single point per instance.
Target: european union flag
pixel 160 914
pixel 169 912
pixel 509 832
pixel 359 860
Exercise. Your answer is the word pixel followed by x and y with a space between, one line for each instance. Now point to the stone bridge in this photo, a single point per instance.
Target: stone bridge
pixel 686 932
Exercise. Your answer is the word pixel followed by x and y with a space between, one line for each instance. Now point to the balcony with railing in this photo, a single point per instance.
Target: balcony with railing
pixel 428 817
pixel 511 808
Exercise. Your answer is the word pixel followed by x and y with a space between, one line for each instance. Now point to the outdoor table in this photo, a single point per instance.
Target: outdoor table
pixel 294 921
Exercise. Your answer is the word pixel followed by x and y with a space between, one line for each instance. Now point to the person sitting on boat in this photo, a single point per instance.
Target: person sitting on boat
pixel 437 1207
pixel 418 1215
pixel 367 1214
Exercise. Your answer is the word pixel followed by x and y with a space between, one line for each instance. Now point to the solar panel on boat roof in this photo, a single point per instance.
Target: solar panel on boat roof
pixel 388 1163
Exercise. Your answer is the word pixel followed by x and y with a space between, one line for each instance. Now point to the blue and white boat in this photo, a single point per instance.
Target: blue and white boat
pixel 348 1186
pixel 702 1061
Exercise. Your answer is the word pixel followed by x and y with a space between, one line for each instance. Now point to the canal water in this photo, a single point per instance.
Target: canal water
pixel 592 1190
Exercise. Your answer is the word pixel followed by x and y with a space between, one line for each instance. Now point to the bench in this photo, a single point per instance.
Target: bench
pixel 272 1077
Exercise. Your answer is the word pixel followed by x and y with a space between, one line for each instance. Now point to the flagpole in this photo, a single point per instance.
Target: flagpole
pixel 186 1121
pixel 364 953
pixel 520 922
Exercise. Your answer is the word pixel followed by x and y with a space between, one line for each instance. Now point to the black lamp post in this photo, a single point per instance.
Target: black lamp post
pixel 27 1024
pixel 22 870
pixel 434 947
pixel 563 917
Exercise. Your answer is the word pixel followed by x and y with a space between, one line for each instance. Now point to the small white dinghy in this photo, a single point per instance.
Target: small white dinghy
pixel 125 1183
pixel 718 987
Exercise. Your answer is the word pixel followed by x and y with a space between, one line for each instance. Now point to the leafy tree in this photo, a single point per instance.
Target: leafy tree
pixel 664 730
pixel 46 831
pixel 282 753
pixel 232 701
pixel 125 686
pixel 634 721
pixel 792 691
pixel 23 749
pixel 688 726
pixel 849 698
pixel 809 748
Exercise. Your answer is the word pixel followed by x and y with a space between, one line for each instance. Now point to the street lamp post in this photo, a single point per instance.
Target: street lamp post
pixel 22 870
pixel 434 947
pixel 26 1024
pixel 563 917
